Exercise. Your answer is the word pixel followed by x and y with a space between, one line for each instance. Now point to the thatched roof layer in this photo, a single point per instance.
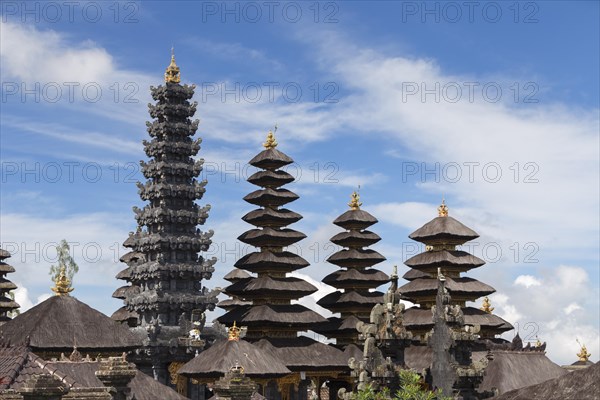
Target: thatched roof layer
pixel 272 315
pixel 270 217
pixel 266 286
pixel 305 354
pixel 511 370
pixel 217 360
pixel 356 258
pixel 443 228
pixel 271 237
pixel 270 159
pixel 62 321
pixel 577 385
pixel 355 219
pixel 429 261
pixel 356 277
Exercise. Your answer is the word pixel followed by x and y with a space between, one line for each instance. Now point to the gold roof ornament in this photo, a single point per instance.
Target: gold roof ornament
pixel 172 74
pixel 355 200
pixel 538 343
pixel 443 209
pixel 487 305
pixel 271 143
pixel 62 283
pixel 234 333
pixel 583 354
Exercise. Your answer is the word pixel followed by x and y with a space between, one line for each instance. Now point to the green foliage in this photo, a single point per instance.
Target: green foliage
pixel 64 260
pixel 411 388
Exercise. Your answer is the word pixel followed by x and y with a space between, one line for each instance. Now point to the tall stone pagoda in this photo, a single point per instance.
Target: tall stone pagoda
pixel 355 280
pixel 7 304
pixel 164 269
pixel 273 322
pixel 441 236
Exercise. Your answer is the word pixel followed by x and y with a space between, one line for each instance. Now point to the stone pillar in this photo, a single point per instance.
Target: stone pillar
pixel 43 387
pixel 116 372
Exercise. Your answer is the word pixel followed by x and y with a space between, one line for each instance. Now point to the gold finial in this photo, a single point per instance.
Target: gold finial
pixel 487 305
pixel 355 200
pixel 583 354
pixel 172 74
pixel 443 209
pixel 271 143
pixel 62 283
pixel 538 343
pixel 234 333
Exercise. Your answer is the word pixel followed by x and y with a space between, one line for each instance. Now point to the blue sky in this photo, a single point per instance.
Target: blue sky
pixel 494 107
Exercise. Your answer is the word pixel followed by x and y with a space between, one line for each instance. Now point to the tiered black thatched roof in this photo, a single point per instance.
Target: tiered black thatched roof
pixel 235 275
pixel 61 322
pixel 7 304
pixel 355 281
pixel 441 235
pixel 164 267
pixel 272 321
pixel 271 291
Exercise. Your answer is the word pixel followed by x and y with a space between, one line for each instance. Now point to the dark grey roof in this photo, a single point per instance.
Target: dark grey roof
pixel 429 261
pixel 271 197
pixel 270 159
pixel 356 277
pixel 62 321
pixel 270 178
pixel 271 217
pixel 268 286
pixel 272 315
pixel 356 258
pixel 511 370
pixel 305 354
pixel 421 317
pixel 355 219
pixel 577 385
pixel 429 286
pixel 442 228
pixel 355 238
pixel 4 254
pixel 217 360
pixel 280 237
pixel 122 314
pixel 236 274
pixel 266 260
pixel 337 300
pixel 413 274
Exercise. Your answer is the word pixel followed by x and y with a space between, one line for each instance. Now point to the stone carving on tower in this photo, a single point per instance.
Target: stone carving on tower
pixel 165 271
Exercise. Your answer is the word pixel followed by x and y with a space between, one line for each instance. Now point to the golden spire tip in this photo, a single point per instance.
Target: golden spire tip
pixel 355 200
pixel 583 354
pixel 443 209
pixel 172 73
pixel 271 143
pixel 487 305
pixel 62 284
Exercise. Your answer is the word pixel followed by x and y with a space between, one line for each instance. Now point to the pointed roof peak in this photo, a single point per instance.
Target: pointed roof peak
pixel 355 200
pixel 62 284
pixel 172 73
pixel 443 209
pixel 271 143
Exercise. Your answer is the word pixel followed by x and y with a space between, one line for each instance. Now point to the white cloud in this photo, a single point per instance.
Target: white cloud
pixel 572 308
pixel 527 281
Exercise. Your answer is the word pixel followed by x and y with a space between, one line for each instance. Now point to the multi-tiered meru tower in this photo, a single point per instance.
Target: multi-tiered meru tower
pixel 7 303
pixel 272 319
pixel 272 290
pixel 164 268
pixel 441 236
pixel 355 280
